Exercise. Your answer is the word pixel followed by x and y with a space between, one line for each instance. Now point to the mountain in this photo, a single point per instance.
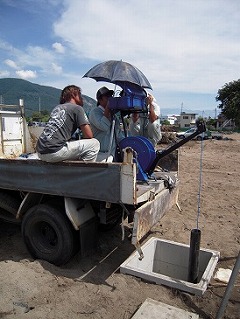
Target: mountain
pixel 36 97
pixel 39 97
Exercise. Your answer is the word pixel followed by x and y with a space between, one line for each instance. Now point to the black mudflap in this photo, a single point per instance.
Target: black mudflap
pixel 89 237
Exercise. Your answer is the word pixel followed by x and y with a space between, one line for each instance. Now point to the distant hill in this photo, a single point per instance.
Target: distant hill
pixel 36 97
pixel 42 97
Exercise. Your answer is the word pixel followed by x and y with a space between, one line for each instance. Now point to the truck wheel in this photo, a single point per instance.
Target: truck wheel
pixel 48 234
pixel 199 138
pixel 8 208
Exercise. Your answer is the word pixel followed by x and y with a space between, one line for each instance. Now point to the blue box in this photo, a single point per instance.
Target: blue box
pixel 131 98
pixel 127 103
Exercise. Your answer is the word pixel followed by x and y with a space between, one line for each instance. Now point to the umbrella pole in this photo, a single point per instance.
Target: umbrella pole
pixel 124 125
pixel 111 137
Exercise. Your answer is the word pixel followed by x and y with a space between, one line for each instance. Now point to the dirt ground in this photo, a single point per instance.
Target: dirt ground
pixel 93 288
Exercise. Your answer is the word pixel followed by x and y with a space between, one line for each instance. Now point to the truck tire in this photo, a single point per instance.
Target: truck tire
pixel 8 208
pixel 48 234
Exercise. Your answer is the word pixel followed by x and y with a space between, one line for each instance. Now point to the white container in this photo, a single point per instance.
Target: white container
pixel 166 262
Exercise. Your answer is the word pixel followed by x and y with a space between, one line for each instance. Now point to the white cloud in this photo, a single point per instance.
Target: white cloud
pixel 181 46
pixel 26 74
pixel 58 47
pixel 178 45
pixel 4 74
pixel 56 68
pixel 37 56
pixel 11 64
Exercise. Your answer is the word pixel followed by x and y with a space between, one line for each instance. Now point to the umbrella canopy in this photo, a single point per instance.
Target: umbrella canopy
pixel 118 72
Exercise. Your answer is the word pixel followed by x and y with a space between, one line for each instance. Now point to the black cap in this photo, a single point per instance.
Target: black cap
pixel 103 91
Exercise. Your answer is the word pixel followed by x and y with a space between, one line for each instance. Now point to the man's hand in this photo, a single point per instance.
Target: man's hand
pixel 107 112
pixel 152 115
pixel 149 99
pixel 135 117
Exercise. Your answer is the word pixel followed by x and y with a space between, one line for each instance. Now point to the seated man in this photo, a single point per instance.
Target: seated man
pixel 147 125
pixel 55 144
pixel 100 119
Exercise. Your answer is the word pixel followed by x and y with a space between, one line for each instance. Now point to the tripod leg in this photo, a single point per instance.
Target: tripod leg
pixel 111 137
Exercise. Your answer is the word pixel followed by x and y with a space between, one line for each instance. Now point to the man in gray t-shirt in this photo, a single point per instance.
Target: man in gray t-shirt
pixel 55 144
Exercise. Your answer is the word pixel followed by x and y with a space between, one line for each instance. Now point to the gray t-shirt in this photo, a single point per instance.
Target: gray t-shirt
pixel 64 121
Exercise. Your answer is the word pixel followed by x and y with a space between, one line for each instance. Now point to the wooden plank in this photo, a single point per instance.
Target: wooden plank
pixel 147 215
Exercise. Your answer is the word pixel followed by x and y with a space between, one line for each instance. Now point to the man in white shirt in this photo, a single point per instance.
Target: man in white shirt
pixel 147 125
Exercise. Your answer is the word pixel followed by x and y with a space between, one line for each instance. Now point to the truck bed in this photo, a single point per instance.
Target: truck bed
pixel 105 182
pixel 110 182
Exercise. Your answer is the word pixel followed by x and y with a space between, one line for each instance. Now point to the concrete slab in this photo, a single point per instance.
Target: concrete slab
pixel 152 309
pixel 166 262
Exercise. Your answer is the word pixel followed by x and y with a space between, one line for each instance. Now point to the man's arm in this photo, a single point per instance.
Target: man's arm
pixel 86 131
pixel 107 112
pixel 99 120
pixel 135 117
pixel 152 115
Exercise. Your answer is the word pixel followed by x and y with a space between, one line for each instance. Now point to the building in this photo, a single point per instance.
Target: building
pixel 224 123
pixel 172 119
pixel 186 120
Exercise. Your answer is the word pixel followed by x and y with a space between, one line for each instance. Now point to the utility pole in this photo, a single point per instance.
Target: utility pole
pixel 39 104
pixel 181 107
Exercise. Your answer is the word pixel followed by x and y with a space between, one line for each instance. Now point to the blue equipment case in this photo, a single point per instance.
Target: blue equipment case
pixel 132 98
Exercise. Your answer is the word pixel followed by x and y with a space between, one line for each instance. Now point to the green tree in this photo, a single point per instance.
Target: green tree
pixel 42 116
pixel 211 122
pixel 229 98
pixel 36 116
pixel 45 115
pixel 165 122
pixel 45 112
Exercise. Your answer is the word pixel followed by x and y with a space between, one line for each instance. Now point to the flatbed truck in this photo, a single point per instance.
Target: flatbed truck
pixel 60 206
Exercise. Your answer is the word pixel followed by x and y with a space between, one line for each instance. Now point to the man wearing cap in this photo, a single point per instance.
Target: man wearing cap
pixel 101 123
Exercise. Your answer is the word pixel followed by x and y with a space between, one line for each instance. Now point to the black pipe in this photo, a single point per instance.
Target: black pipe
pixel 193 265
pixel 160 154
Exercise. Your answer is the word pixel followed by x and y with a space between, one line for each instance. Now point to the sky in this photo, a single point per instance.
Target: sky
pixel 187 49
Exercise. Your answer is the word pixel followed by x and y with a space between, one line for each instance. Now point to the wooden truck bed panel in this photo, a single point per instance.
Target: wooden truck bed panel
pixel 147 215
